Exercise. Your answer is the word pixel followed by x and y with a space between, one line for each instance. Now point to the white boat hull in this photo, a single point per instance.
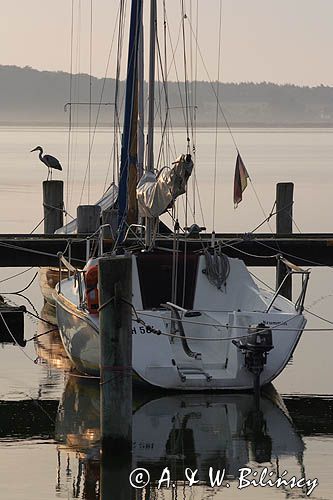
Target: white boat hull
pixel 164 361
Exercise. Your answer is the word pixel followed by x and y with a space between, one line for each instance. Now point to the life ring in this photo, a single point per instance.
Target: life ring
pixel 91 280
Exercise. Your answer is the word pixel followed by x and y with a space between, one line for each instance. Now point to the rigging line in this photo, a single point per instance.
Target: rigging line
pixel 318 316
pixel 306 261
pixel 191 73
pixel 25 298
pixel 213 89
pixel 91 143
pixel 90 94
pixel 252 255
pixel 261 281
pixel 70 111
pixel 164 124
pixel 37 226
pixel 116 118
pixel 23 289
pixel 73 152
pixel 195 111
pixel 270 215
pixel 184 267
pixel 42 334
pixel 185 68
pixel 14 340
pixel 297 227
pixel 260 205
pixel 17 274
pixel 200 204
pixel 227 326
pixel 116 122
pixel 165 69
pixel 159 114
pixel 273 290
pixel 226 121
pixel 217 114
pixel 30 250
pixel 173 62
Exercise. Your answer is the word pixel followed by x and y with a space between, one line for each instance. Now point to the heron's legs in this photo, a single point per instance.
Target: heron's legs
pixel 48 173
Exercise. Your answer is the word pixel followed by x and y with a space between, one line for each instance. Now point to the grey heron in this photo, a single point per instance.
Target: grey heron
pixel 48 160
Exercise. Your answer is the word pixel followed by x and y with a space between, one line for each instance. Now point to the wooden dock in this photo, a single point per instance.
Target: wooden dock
pixel 258 249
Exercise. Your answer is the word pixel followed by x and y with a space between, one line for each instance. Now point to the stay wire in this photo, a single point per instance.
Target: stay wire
pixel 37 226
pixel 173 63
pixel 217 113
pixel 225 118
pixel 195 111
pixel 69 138
pixel 91 142
pixel 184 16
pixel 14 339
pixel 23 289
pixel 17 274
pixel 307 310
pixel 34 361
pixel 34 337
pixel 90 94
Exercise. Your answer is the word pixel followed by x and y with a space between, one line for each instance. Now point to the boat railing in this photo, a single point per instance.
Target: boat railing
pixel 292 270
pixel 63 262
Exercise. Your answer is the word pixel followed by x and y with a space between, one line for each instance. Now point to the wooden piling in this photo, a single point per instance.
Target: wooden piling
pixel 115 287
pixel 88 218
pixel 284 225
pixel 53 203
pixel 110 217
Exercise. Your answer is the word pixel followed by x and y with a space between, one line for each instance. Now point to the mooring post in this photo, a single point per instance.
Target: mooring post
pixel 115 288
pixel 284 225
pixel 88 218
pixel 53 203
pixel 110 217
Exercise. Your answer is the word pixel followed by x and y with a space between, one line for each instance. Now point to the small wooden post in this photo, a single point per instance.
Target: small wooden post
pixel 88 218
pixel 110 216
pixel 53 202
pixel 115 286
pixel 284 225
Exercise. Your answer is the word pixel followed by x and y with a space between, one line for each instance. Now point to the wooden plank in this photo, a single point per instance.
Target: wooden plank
pixel 307 250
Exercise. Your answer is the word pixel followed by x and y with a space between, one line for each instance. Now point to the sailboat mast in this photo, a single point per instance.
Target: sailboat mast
pixel 151 109
pixel 151 87
pixel 128 160
pixel 141 111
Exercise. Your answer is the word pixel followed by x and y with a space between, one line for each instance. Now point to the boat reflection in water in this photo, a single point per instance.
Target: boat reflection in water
pixel 48 345
pixel 198 431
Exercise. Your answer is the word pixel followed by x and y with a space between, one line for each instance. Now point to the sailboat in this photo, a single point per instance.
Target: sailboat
pixel 204 324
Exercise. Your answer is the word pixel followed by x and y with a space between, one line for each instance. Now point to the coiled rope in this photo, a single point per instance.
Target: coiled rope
pixel 217 268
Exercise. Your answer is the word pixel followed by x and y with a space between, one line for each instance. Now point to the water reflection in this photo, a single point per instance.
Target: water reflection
pixel 48 344
pixel 198 431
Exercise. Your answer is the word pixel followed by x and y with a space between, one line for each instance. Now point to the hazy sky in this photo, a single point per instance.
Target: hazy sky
pixel 284 41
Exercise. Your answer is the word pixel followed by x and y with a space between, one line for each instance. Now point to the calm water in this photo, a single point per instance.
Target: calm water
pixel 49 420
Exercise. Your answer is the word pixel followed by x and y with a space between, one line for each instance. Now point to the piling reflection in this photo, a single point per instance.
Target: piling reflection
pixel 179 431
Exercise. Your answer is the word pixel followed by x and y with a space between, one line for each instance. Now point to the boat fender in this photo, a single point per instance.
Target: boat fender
pixel 92 298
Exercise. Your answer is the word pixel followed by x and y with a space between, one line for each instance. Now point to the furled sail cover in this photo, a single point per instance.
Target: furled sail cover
pixel 156 194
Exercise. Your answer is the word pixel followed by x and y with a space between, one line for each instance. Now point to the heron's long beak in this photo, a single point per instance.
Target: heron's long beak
pixel 33 150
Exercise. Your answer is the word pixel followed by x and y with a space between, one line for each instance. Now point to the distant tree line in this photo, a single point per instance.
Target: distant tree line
pixel 39 97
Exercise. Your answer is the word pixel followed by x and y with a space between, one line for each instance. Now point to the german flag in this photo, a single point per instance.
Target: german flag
pixel 240 180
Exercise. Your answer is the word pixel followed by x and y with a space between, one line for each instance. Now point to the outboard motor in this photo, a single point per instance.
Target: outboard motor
pixel 255 348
